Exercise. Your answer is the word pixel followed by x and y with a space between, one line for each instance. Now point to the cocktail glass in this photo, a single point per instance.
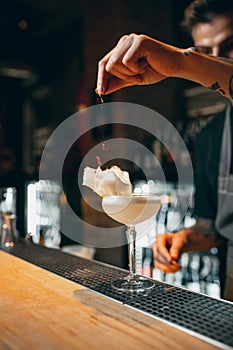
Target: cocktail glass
pixel 132 210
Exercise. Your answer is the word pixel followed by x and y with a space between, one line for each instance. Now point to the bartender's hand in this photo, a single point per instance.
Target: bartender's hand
pixel 136 60
pixel 168 247
pixel 141 60
pixel 167 250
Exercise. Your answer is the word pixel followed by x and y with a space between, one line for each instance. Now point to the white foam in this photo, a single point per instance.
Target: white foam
pixel 112 181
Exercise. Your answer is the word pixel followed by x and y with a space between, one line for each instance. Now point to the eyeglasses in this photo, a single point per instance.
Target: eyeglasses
pixel 223 48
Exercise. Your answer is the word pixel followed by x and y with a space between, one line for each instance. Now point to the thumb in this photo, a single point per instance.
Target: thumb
pixel 176 247
pixel 115 83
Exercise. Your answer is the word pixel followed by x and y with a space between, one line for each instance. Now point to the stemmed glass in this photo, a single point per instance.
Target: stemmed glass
pixel 132 210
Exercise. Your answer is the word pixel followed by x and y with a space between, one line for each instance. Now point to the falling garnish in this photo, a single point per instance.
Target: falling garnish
pixel 101 99
pixel 101 129
pixel 98 161
pixel 104 148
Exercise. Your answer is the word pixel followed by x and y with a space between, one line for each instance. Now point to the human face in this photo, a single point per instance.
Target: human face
pixel 215 38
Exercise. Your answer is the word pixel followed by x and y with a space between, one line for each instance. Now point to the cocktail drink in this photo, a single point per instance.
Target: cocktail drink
pixel 114 186
pixel 131 210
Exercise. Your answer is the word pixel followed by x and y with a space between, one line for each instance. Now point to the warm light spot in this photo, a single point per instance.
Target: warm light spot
pixel 80 106
pixel 23 24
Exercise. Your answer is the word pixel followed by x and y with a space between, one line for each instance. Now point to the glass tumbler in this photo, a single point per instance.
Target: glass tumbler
pixel 7 216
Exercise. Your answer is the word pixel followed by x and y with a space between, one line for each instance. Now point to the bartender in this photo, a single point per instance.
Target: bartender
pixel 210 24
pixel 139 60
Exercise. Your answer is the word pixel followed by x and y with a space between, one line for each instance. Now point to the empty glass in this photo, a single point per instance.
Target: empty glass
pixel 7 216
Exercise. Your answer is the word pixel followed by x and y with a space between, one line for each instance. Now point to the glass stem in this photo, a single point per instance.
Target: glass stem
pixel 131 239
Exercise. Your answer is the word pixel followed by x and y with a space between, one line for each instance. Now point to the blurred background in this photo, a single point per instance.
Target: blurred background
pixel 48 65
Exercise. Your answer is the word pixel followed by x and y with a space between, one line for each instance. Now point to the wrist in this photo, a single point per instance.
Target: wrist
pixel 202 236
pixel 194 66
pixel 163 58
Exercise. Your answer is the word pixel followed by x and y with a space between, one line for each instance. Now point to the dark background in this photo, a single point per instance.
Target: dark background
pixel 48 64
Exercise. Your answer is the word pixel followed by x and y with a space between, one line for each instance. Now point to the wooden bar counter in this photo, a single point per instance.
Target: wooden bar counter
pixel 40 310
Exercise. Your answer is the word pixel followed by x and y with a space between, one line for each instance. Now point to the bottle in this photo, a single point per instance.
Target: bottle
pixel 193 282
pixel 147 263
pixel 205 272
pixel 7 230
pixel 213 285
pixel 184 261
pixel 8 217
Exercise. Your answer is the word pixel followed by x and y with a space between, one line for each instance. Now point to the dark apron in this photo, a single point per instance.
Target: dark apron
pixel 224 218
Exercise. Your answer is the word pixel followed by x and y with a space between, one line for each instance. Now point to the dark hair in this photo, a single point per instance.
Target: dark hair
pixel 204 11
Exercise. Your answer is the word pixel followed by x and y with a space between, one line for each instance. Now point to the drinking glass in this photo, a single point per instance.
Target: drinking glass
pixel 8 215
pixel 131 210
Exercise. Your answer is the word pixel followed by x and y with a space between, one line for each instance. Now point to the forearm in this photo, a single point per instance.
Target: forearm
pixel 202 236
pixel 141 60
pixel 208 71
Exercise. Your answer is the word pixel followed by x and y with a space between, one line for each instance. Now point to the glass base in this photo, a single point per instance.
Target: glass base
pixel 133 284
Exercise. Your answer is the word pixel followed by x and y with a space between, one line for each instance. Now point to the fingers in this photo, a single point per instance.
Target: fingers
pixel 172 268
pixel 166 251
pixel 125 59
pixel 176 249
pixel 179 241
pixel 115 84
pixel 119 69
pixel 102 76
pixel 134 57
pixel 109 83
pixel 161 248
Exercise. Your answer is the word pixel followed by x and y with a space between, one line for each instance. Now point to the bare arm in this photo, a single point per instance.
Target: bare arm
pixel 168 247
pixel 214 73
pixel 141 60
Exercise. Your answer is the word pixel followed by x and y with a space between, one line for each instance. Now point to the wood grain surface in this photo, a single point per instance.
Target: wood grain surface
pixel 40 310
